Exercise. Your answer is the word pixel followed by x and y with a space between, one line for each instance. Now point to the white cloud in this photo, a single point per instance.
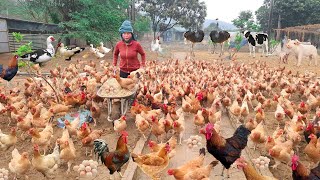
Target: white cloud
pixel 227 10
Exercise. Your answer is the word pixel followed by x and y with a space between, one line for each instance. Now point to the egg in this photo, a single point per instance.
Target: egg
pixel 199 144
pixel 81 168
pixel 89 174
pixel 199 138
pixel 84 162
pixel 96 163
pixel 5 177
pixel 93 166
pixel 190 145
pixel 88 169
pixel 262 166
pixel 266 165
pixel 189 141
pixel 82 173
pixel 262 162
pixel 194 142
pixel 94 172
pixel 195 146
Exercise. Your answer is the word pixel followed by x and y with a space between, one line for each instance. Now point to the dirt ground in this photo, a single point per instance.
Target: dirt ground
pixel 201 53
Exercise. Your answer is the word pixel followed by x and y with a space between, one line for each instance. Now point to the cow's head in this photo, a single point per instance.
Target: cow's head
pixel 246 33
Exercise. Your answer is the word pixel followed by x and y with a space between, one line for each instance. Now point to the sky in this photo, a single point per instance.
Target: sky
pixel 227 10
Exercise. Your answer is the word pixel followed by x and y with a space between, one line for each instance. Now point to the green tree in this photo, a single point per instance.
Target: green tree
pixel 52 11
pixel 13 9
pixel 211 27
pixel 245 20
pixel 165 14
pixel 98 22
pixel 292 13
pixel 142 25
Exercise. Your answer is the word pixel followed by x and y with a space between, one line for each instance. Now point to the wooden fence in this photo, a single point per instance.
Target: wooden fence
pixel 39 41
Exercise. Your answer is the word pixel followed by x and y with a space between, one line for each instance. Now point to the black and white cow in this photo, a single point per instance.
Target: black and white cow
pixel 257 39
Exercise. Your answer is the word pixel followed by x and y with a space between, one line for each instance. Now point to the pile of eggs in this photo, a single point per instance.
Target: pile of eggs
pixel 194 141
pixel 111 88
pixel 4 174
pixel 88 168
pixel 261 162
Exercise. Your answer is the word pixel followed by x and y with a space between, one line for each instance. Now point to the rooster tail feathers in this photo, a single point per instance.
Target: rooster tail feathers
pixel 240 137
pixel 202 151
pixel 242 131
pixel 316 171
pixel 100 146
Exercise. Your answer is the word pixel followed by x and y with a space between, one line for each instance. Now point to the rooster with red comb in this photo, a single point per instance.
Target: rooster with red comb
pixel 114 160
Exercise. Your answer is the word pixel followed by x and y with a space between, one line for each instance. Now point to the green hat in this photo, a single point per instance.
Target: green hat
pixel 126 27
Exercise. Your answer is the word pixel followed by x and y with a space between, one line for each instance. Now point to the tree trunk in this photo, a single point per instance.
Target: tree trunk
pixel 279 27
pixel 270 18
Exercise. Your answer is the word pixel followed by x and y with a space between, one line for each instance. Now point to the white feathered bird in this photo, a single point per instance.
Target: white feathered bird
pixel 156 46
pixel 103 49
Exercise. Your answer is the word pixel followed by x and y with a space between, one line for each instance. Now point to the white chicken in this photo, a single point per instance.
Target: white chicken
pixel 156 46
pixel 46 165
pixel 20 163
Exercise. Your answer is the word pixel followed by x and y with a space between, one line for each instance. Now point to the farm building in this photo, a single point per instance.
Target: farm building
pixel 174 34
pixel 309 33
pixel 32 31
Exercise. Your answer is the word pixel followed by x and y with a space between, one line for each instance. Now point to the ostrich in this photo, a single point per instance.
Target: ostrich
pixel 193 37
pixel 219 37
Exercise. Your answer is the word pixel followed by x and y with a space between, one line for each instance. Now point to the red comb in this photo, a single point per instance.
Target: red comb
pixel 124 133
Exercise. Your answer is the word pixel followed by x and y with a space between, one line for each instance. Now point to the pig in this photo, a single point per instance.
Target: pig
pixel 301 50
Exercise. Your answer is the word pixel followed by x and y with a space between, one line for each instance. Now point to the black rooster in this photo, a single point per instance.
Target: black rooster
pixel 300 172
pixel 227 151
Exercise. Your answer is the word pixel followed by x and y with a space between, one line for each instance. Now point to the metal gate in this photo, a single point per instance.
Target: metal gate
pixel 4 41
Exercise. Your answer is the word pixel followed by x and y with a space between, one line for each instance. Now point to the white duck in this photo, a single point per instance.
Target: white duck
pixel 68 53
pixel 41 55
pixel 98 54
pixel 103 49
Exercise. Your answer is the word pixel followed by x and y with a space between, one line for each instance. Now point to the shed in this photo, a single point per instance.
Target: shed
pixel 32 31
pixel 174 34
pixel 310 32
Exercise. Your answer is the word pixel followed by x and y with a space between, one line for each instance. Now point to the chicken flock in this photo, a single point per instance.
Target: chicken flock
pixel 169 91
